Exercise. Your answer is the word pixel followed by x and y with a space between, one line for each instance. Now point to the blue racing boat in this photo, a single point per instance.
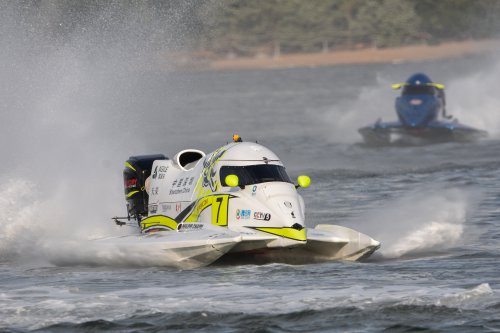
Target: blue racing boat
pixel 422 117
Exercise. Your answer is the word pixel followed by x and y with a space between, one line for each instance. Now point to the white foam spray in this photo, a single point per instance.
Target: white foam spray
pixel 63 84
pixel 16 228
pixel 421 222
pixel 474 100
pixel 373 102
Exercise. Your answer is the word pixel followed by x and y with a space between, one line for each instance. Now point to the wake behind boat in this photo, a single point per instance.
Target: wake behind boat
pixel 419 108
pixel 237 201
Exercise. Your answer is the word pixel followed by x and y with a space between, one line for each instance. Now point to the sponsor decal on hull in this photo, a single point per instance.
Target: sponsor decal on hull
pixel 208 183
pixel 153 209
pixel 131 183
pixel 261 216
pixel 179 191
pixel 243 214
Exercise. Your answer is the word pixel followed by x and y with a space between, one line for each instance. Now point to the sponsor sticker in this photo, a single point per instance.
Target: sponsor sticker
pixel 131 183
pixel 254 189
pixel 209 170
pixel 190 226
pixel 179 191
pixel 261 216
pixel 201 205
pixel 243 214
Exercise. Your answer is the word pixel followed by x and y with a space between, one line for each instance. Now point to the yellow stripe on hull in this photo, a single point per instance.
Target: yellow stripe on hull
pixel 290 233
pixel 128 165
pixel 160 221
pixel 132 193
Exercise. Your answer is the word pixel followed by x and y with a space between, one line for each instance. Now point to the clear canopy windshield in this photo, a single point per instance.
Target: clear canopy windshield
pixel 418 90
pixel 255 174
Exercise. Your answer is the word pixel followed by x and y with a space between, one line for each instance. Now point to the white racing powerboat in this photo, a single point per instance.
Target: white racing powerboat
pixel 236 202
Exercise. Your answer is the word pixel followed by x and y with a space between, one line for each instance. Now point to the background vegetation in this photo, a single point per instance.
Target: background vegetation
pixel 270 27
pixel 248 27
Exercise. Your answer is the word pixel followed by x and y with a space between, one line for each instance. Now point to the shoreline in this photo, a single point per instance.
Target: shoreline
pixel 402 54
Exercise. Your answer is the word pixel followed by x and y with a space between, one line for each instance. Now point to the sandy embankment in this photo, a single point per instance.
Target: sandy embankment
pixel 364 56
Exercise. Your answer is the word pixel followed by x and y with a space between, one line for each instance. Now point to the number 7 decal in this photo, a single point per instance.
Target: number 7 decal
pixel 219 210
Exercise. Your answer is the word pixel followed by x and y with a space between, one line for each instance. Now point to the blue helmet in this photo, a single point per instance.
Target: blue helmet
pixel 418 79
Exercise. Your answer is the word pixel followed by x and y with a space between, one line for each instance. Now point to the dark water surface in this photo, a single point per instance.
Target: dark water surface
pixel 434 208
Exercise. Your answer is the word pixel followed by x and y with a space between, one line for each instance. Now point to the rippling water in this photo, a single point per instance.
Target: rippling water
pixel 434 208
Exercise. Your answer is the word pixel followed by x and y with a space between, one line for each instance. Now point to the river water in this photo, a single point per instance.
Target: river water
pixel 67 128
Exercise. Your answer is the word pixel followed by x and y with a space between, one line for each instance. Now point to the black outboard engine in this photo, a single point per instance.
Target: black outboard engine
pixel 137 170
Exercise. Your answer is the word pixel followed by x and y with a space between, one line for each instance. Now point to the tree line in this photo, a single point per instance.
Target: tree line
pixel 252 27
pixel 247 27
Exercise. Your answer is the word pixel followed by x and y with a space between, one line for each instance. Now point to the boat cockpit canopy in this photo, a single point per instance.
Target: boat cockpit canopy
pixel 418 90
pixel 255 174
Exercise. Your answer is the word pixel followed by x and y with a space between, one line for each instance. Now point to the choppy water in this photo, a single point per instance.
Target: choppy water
pixel 434 208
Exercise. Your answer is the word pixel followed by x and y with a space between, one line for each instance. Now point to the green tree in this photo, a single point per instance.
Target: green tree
pixel 458 19
pixel 384 23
